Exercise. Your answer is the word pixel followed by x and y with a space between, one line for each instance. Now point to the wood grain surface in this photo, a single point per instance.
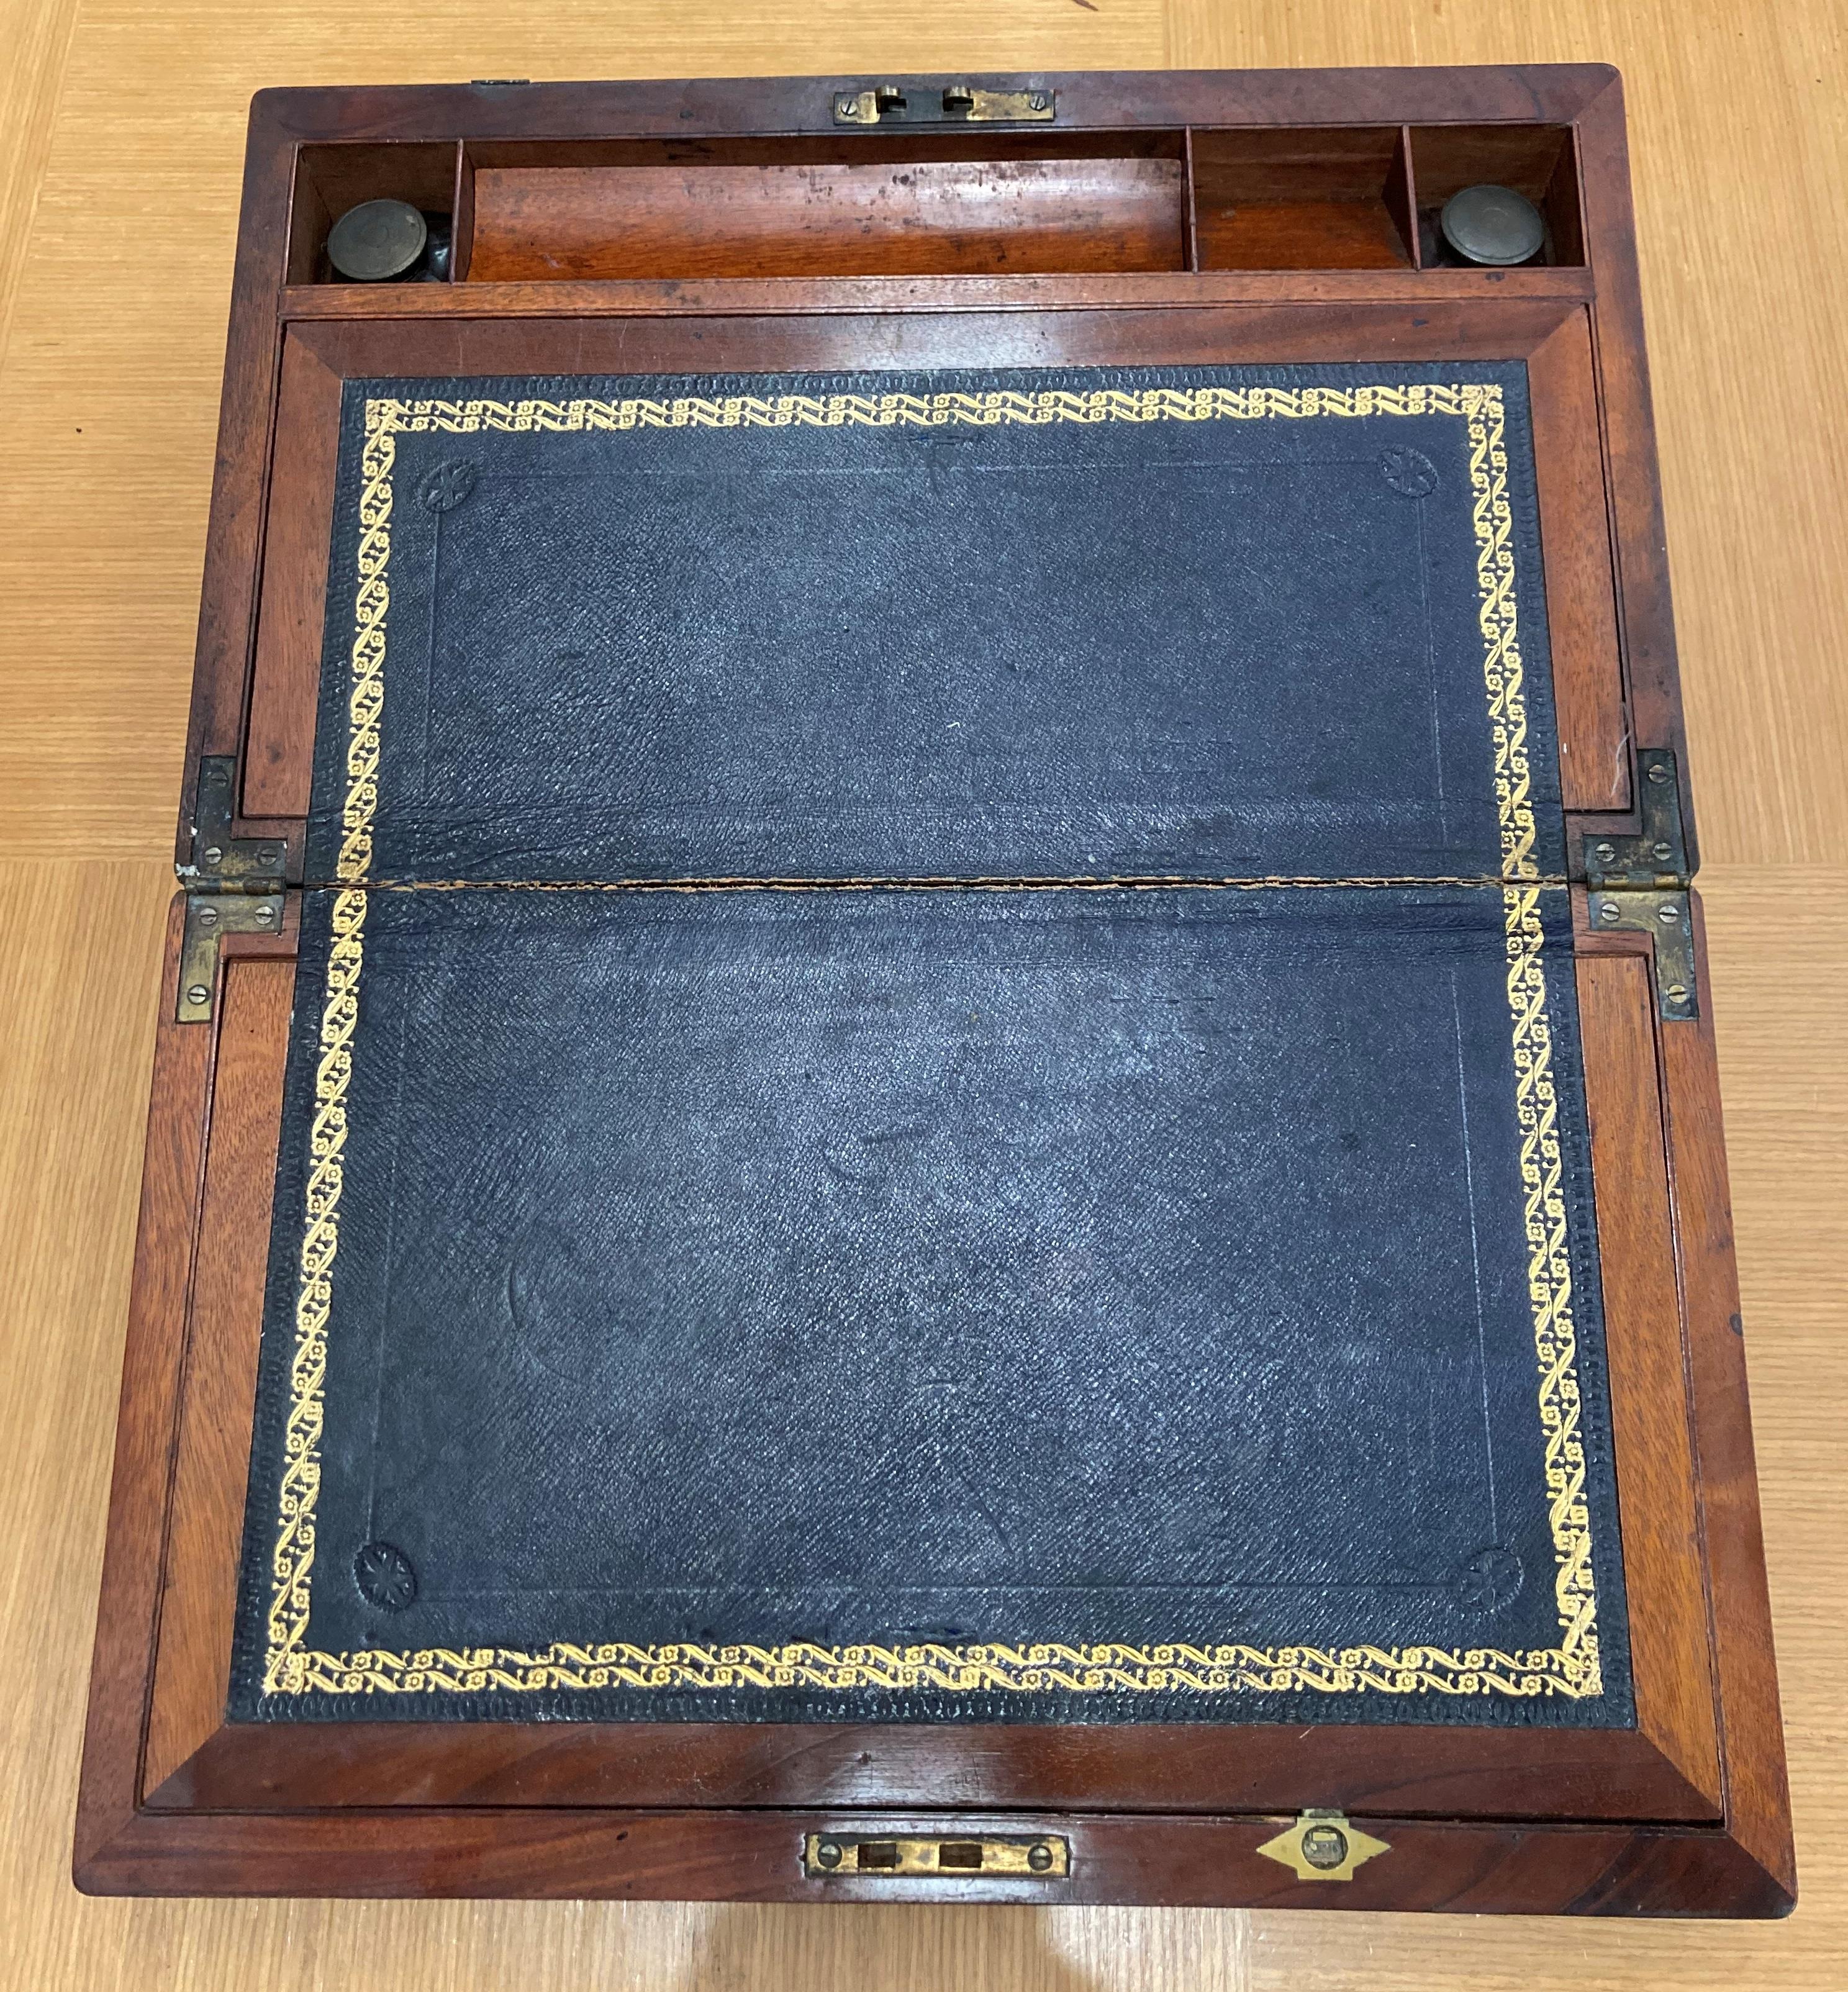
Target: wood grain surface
pixel 121 130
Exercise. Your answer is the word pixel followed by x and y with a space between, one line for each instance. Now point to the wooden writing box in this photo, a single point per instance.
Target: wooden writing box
pixel 935 1115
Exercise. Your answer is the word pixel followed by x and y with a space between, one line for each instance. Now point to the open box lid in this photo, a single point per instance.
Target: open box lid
pixel 1199 623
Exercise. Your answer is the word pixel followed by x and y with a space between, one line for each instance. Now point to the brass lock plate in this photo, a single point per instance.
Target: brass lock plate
pixel 946 104
pixel 1042 1857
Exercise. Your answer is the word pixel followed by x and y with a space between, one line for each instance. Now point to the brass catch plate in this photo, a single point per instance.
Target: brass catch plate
pixel 949 104
pixel 1044 1857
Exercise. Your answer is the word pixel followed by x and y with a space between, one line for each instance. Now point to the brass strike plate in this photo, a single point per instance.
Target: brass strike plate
pixel 1323 1847
pixel 208 915
pixel 1043 1857
pixel 954 104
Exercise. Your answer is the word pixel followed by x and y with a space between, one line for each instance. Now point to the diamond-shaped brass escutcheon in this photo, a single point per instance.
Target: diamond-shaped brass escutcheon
pixel 1323 1847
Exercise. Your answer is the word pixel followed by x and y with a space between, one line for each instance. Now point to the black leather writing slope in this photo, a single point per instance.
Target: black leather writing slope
pixel 1062 1302
pixel 1099 1304
pixel 1210 622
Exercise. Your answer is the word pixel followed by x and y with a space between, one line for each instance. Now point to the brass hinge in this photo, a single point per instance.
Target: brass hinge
pixel 1323 1847
pixel 954 104
pixel 233 886
pixel 1639 884
pixel 209 916
pixel 1656 858
pixel 219 862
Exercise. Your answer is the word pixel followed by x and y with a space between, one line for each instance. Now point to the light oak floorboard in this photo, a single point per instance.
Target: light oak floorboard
pixel 35 35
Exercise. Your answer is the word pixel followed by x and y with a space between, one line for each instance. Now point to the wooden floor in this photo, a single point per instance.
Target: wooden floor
pixel 121 129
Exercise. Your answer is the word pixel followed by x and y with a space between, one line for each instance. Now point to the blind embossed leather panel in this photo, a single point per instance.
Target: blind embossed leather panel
pixel 1101 1304
pixel 1203 623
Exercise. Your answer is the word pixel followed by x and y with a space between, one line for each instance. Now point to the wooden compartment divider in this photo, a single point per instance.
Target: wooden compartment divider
pixel 1402 197
pixel 462 246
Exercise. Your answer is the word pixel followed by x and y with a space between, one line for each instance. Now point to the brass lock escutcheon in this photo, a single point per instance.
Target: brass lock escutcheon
pixel 1323 1847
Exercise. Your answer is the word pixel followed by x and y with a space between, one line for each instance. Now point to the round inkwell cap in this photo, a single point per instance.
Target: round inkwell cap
pixel 377 239
pixel 1492 224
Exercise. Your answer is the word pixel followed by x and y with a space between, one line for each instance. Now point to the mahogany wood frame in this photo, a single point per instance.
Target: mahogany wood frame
pixel 1686 1814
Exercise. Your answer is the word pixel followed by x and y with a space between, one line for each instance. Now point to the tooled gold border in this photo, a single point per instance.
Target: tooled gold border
pixel 1571 1668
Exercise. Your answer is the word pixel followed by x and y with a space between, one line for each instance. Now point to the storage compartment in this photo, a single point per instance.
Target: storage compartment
pixel 1335 198
pixel 853 207
pixel 330 179
pixel 1003 202
pixel 1538 161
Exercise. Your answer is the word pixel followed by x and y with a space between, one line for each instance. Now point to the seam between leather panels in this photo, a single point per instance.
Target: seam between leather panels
pixel 1145 883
